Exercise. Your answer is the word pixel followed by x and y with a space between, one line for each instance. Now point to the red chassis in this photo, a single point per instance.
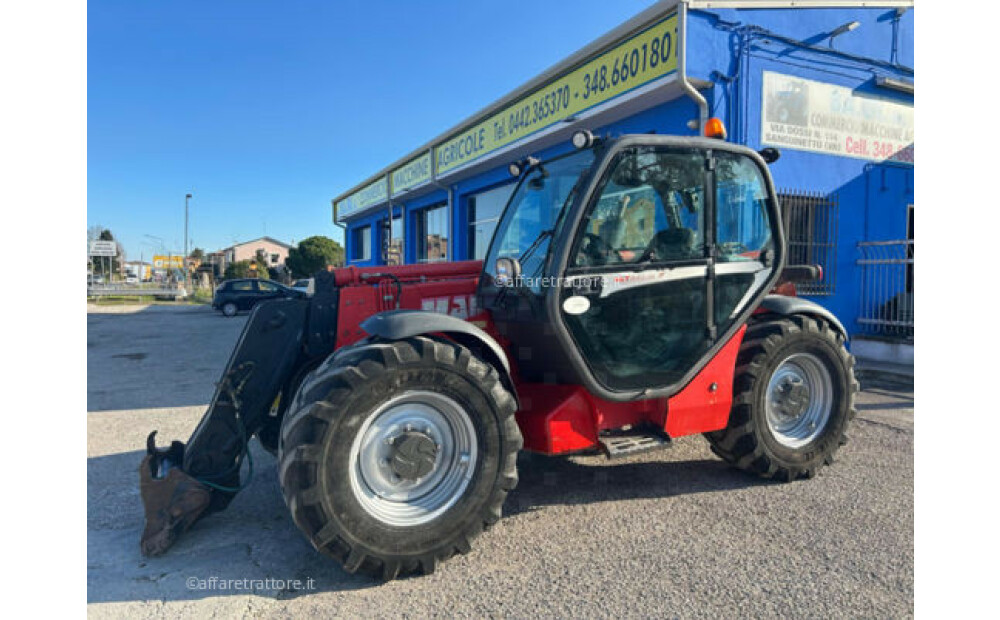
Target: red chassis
pixel 554 419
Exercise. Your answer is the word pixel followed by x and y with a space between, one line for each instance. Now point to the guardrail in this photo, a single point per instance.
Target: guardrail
pixel 135 290
pixel 887 288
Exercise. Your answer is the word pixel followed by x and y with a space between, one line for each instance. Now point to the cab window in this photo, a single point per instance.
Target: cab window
pixel 650 209
pixel 743 228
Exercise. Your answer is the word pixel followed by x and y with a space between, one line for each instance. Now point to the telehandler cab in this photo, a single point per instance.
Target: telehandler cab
pixel 635 291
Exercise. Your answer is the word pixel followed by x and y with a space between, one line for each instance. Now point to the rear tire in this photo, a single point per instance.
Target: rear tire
pixel 396 455
pixel 229 309
pixel 793 398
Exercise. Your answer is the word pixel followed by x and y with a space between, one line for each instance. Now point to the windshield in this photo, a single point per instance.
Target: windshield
pixel 533 213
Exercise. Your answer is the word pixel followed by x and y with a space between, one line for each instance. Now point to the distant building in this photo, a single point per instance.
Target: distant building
pixel 139 269
pixel 275 253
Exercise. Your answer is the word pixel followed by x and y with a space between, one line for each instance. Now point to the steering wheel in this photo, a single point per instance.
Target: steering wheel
pixel 732 248
pixel 597 249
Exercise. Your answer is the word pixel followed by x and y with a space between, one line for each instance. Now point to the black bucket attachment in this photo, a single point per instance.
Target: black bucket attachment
pixel 172 499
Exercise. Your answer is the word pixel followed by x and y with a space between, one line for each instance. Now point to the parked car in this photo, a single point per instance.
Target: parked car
pixel 233 296
pixel 302 285
pixel 130 279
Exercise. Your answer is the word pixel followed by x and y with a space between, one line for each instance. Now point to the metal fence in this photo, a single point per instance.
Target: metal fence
pixel 119 289
pixel 810 220
pixel 887 288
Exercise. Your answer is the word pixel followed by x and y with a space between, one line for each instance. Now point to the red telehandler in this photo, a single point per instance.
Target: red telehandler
pixel 635 291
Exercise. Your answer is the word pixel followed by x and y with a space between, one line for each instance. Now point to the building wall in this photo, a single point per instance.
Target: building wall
pixel 732 49
pixel 248 251
pixel 873 197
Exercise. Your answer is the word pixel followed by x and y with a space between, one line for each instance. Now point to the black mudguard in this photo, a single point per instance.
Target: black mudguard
pixel 784 305
pixel 399 324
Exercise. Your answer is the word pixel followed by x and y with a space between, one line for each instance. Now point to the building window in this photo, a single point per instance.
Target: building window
pixel 432 234
pixel 361 243
pixel 274 259
pixel 811 230
pixel 484 213
pixel 392 241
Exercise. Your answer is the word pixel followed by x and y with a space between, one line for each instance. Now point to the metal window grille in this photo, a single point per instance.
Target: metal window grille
pixel 887 288
pixel 810 220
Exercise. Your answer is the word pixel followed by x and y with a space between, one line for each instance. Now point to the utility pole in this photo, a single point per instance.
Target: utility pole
pixel 187 198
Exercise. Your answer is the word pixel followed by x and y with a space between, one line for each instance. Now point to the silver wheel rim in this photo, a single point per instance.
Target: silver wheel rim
pixel 799 400
pixel 229 309
pixel 409 501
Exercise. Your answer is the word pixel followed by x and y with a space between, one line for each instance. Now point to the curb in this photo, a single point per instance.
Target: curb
pixel 884 375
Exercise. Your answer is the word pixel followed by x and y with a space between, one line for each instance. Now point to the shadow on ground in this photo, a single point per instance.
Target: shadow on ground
pixel 255 539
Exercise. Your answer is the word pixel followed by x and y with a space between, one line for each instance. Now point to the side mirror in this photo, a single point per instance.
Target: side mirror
pixel 508 272
pixel 770 154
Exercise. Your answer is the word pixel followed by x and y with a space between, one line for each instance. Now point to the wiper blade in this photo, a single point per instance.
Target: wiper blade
pixel 534 245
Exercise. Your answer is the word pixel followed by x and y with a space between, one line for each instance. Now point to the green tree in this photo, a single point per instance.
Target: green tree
pixel 99 233
pixel 239 269
pixel 314 254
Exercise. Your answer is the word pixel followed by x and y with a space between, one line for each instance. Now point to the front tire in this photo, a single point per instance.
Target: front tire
pixel 793 398
pixel 229 309
pixel 396 455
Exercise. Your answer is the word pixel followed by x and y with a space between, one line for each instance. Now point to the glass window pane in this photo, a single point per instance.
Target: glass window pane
pixel 743 234
pixel 743 228
pixel 485 209
pixel 362 246
pixel 489 204
pixel 432 234
pixel 650 210
pixel 393 246
pixel 479 238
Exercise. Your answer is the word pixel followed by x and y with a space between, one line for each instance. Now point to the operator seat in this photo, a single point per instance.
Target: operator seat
pixel 672 244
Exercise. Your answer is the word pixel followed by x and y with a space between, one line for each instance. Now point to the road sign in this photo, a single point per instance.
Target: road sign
pixel 103 248
pixel 168 261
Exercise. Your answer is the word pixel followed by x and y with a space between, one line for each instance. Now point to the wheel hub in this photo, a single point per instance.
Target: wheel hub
pixel 791 396
pixel 413 458
pixel 799 400
pixel 413 455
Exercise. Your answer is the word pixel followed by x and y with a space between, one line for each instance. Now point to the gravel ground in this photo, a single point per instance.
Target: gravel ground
pixel 672 533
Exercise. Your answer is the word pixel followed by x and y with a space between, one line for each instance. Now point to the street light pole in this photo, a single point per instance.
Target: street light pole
pixel 187 198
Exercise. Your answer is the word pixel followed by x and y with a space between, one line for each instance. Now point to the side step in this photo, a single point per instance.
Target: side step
pixel 632 442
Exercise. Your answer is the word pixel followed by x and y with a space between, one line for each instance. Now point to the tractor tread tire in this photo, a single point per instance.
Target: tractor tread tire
pixel 741 443
pixel 315 410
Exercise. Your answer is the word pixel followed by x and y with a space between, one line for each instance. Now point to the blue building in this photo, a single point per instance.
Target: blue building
pixel 830 84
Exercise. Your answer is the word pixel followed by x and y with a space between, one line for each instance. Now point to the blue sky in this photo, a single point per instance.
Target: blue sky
pixel 267 110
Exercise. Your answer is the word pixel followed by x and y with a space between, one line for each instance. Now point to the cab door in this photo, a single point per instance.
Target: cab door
pixel 674 244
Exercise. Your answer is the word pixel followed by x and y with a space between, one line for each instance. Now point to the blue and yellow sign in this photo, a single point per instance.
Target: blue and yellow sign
pixel 646 56
pixel 635 62
pixel 415 172
pixel 374 193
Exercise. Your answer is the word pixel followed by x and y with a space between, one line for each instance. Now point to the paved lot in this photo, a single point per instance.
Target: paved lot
pixel 674 533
